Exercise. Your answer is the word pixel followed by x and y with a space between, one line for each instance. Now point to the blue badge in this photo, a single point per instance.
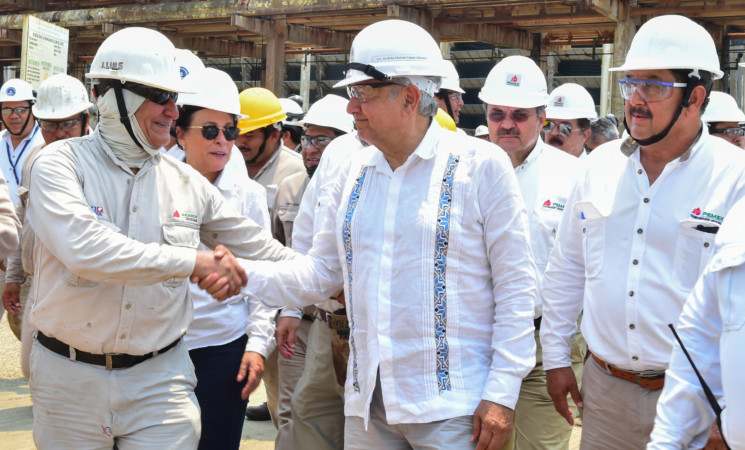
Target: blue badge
pixel 183 72
pixel 11 91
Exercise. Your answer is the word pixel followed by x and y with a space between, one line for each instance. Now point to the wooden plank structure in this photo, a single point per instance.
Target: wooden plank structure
pixel 274 30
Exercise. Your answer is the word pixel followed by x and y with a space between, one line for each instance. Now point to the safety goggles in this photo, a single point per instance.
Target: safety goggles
pixel 20 110
pixel 515 116
pixel 51 126
pixel 648 90
pixel 729 131
pixel 210 132
pixel 155 95
pixel 316 141
pixel 366 92
pixel 455 96
pixel 564 128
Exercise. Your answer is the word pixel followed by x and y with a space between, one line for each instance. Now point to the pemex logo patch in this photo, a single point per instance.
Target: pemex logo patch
pixel 559 101
pixel 553 205
pixel 186 216
pixel 697 213
pixel 514 79
pixel 97 210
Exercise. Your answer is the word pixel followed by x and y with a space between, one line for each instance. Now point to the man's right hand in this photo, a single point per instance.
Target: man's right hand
pixel 220 271
pixel 287 335
pixel 12 298
pixel 559 383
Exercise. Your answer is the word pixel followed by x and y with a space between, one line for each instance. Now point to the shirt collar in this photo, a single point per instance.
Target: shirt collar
pixel 28 137
pixel 426 149
pixel 629 146
pixel 532 156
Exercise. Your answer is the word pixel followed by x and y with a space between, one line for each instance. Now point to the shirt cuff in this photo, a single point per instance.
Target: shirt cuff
pixel 259 345
pixel 292 312
pixel 503 389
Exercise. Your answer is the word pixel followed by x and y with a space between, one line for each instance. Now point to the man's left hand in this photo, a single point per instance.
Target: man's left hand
pixel 492 424
pixel 252 365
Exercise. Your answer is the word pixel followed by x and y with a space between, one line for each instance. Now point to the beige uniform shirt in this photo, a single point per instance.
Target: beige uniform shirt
pixel 287 204
pixel 114 248
pixel 10 227
pixel 282 164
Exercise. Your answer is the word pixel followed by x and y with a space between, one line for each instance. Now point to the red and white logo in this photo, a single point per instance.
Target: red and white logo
pixel 696 212
pixel 176 214
pixel 547 203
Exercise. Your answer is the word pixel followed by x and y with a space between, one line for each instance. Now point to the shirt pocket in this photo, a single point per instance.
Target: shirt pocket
pixel 693 250
pixel 593 237
pixel 180 235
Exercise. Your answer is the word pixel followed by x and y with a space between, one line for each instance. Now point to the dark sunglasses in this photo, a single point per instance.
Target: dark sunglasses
pixel 210 132
pixel 159 96
pixel 564 128
pixel 517 116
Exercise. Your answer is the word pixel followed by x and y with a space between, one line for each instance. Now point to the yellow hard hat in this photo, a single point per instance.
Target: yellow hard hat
pixel 262 108
pixel 445 120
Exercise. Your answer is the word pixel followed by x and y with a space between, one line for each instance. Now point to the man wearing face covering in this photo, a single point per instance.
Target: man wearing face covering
pixel 118 227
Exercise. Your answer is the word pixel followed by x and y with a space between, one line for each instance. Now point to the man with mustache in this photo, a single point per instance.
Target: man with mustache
pixel 637 234
pixel 515 95
pixel 570 112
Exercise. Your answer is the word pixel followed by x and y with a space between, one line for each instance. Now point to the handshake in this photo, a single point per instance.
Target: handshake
pixel 219 273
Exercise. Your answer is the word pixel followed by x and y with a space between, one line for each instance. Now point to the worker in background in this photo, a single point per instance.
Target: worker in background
pixel 482 132
pixel 602 130
pixel 570 112
pixel 450 96
pixel 725 119
pixel 290 130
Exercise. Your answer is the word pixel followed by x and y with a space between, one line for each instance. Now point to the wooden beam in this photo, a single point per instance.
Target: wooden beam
pixel 219 46
pixel 490 34
pixel 107 29
pixel 319 37
pixel 422 17
pixel 275 58
pixel 255 25
pixel 11 35
pixel 608 8
pixel 33 5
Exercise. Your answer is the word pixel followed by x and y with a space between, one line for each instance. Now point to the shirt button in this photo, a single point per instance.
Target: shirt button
pixel 706 244
pixel 128 181
pixel 635 262
pixel 639 231
pixel 584 230
pixel 134 209
pixel 635 358
pixel 553 231
pixel 646 200
pixel 631 293
pixel 639 171
pixel 632 326
pixel 129 305
pixel 122 336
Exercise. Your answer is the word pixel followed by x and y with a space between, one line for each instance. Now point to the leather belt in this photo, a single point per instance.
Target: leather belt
pixel 336 322
pixel 651 382
pixel 111 361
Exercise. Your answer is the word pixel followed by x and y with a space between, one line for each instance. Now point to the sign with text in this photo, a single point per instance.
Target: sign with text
pixel 44 50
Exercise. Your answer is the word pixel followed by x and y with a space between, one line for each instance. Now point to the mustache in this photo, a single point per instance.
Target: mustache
pixel 510 132
pixel 554 140
pixel 640 111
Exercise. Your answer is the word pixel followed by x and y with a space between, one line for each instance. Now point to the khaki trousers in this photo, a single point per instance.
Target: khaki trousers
pixel 618 414
pixel 290 371
pixel 318 401
pixel 537 424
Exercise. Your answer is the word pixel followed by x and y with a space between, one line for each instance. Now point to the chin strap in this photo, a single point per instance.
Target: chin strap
pixel 123 117
pixel 28 117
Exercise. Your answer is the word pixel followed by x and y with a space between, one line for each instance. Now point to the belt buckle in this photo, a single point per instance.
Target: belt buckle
pixel 109 360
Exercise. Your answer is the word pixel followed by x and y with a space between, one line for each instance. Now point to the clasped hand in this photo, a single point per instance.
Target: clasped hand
pixel 220 271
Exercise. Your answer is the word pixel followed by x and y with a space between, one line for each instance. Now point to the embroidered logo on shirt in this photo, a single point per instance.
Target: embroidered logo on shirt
pixel 11 91
pixel 704 215
pixel 553 205
pixel 186 216
pixel 97 210
pixel 514 79
pixel 559 101
pixel 176 214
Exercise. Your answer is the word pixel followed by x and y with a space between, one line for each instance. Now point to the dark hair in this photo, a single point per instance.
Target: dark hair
pixel 294 130
pixel 705 80
pixel 185 114
pixel 583 124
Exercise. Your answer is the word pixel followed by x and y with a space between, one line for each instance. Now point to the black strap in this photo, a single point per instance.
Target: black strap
pixel 368 70
pixel 707 391
pixel 123 117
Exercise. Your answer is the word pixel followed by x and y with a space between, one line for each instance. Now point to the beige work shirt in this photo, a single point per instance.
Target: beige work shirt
pixel 283 163
pixel 286 206
pixel 114 249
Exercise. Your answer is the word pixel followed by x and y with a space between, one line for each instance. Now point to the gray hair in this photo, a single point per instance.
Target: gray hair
pixel 427 105
pixel 603 127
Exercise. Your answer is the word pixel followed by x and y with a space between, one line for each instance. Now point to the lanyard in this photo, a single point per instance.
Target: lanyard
pixel 20 154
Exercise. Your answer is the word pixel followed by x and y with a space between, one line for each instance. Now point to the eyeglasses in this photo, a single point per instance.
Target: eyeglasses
pixel 316 141
pixel 51 126
pixel 20 110
pixel 455 96
pixel 649 91
pixel 516 116
pixel 210 132
pixel 729 131
pixel 364 92
pixel 564 128
pixel 159 96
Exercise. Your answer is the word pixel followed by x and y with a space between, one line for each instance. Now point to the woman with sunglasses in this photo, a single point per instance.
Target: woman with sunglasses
pixel 218 337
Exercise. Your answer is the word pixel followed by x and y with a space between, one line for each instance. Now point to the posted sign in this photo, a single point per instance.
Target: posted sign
pixel 44 51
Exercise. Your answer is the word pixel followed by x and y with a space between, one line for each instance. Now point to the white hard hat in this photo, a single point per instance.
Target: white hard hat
pixel 138 55
pixel 672 42
pixel 571 101
pixel 214 89
pixel 329 112
pixel 722 108
pixel 481 130
pixel 187 62
pixel 515 82
pixel 395 48
pixel 16 90
pixel 451 80
pixel 61 96
pixel 293 111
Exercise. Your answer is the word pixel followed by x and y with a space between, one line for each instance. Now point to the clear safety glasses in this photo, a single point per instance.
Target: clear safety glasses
pixel 316 141
pixel 50 126
pixel 366 92
pixel 648 90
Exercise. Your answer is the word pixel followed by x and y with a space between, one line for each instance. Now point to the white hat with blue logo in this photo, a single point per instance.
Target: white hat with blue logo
pixel 16 90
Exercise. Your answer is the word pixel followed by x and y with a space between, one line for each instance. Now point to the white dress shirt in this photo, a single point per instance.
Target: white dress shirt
pixel 633 251
pixel 437 274
pixel 545 177
pixel 11 160
pixel 712 327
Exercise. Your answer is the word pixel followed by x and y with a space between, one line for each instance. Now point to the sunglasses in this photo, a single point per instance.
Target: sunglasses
pixel 729 131
pixel 20 110
pixel 315 141
pixel 564 128
pixel 210 132
pixel 155 95
pixel 517 116
pixel 364 92
pixel 648 90
pixel 51 126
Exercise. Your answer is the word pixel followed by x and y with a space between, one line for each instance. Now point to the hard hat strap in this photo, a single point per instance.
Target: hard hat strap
pixel 447 105
pixel 685 103
pixel 368 70
pixel 123 116
pixel 28 117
